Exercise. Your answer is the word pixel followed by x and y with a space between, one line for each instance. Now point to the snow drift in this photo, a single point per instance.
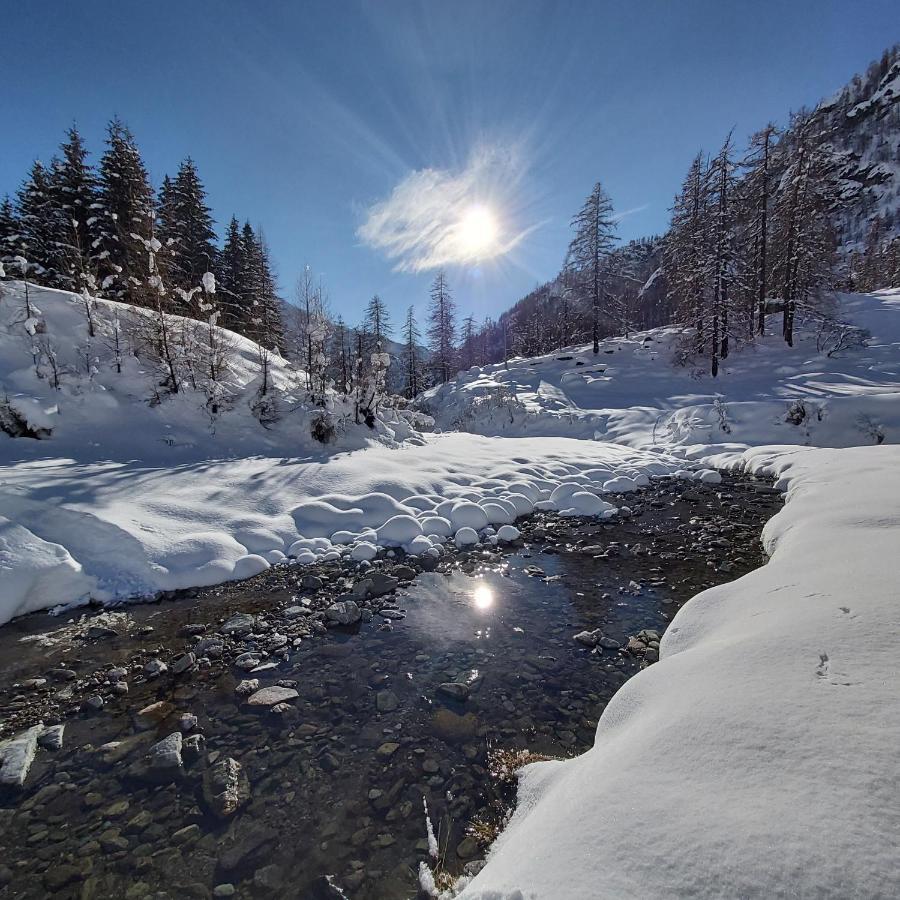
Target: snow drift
pixel 758 757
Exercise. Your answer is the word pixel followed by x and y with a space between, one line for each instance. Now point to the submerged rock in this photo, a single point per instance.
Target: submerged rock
pixel 17 755
pixel 270 696
pixel 226 787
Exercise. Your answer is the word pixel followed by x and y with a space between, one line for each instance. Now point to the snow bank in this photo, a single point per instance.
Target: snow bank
pixel 132 528
pixel 758 757
pixel 631 393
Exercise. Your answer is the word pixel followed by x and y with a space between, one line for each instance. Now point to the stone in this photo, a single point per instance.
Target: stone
pixel 94 702
pixel 226 787
pixel 346 612
pixel 247 661
pixel 454 690
pixel 404 573
pixel 184 664
pixel 58 876
pixel 224 890
pixel 155 668
pixel 386 701
pixel 211 647
pixel 51 738
pixel 246 687
pixel 165 755
pixel 252 844
pixel 193 746
pixel 270 878
pixel 588 638
pixel 467 848
pixel 17 755
pixel 186 835
pixel 187 722
pixel 151 716
pixel 452 727
pixel 269 696
pixel 239 624
pixel 389 748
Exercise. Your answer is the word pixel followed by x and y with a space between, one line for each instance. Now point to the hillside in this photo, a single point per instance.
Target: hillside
pixel 631 393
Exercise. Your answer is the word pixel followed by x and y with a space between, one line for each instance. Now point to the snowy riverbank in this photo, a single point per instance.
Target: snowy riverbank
pixel 758 757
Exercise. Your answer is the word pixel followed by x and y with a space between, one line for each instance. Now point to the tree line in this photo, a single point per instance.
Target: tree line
pixel 79 228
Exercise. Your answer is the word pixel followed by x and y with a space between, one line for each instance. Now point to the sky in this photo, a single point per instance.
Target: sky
pixel 378 141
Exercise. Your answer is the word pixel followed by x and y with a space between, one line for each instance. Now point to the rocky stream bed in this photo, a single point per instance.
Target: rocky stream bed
pixel 277 737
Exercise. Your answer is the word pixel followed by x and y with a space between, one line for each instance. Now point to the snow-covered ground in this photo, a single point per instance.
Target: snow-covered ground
pixel 758 757
pixel 632 394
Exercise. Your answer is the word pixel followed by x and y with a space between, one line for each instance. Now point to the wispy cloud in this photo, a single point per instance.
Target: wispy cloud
pixel 418 227
pixel 630 212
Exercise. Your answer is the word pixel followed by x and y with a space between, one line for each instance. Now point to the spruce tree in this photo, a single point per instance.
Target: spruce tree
pixel 594 239
pixel 258 293
pixel 230 272
pixel 186 228
pixel 412 364
pixel 127 216
pixel 41 226
pixel 376 324
pixel 9 234
pixel 75 191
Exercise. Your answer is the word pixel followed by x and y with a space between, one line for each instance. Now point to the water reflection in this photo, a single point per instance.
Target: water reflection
pixel 483 597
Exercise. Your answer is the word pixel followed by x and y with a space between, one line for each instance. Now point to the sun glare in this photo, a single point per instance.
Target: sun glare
pixel 483 597
pixel 478 232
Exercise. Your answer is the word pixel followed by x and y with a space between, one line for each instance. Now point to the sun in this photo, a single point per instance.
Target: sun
pixel 478 232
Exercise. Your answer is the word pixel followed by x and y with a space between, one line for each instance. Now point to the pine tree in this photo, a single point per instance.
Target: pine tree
pixel 10 236
pixel 467 345
pixel 232 264
pixel 75 192
pixel 127 217
pixel 258 294
pixel 412 364
pixel 442 329
pixel 186 228
pixel 340 356
pixel 41 225
pixel 376 324
pixel 594 239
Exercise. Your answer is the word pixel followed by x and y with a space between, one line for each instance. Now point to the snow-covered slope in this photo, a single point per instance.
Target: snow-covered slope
pixel 758 757
pixel 631 393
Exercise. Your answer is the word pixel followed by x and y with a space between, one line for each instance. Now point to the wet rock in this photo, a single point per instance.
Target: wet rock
pixel 346 612
pixel 211 647
pixel 101 631
pixel 186 835
pixel 324 888
pixel 224 890
pixel 452 727
pixel 269 696
pixel 404 573
pixel 51 738
pixel 467 848
pixel 187 722
pixel 193 747
pixel 589 638
pixel 387 749
pixel 386 701
pixel 62 674
pixel 93 703
pixel 252 845
pixel 269 878
pixel 226 787
pixel 246 687
pixel 17 755
pixel 239 624
pixel 57 877
pixel 454 690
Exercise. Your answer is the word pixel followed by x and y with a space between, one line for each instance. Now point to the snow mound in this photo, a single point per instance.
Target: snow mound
pixel 758 757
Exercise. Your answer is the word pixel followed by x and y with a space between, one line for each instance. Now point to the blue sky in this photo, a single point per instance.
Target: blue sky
pixel 303 117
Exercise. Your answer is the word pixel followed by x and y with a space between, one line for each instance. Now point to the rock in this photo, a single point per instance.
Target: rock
pixel 467 848
pixel 184 664
pixel 270 878
pixel 101 631
pixel 293 612
pixel 139 823
pixel 150 716
pixel 155 668
pixel 247 687
pixel 635 646
pixel 187 722
pixel 191 630
pixel 239 624
pixel 224 890
pixel 165 756
pixel 193 746
pixel 311 582
pixel 404 573
pixel 94 702
pixel 588 638
pixel 117 674
pixel 345 612
pixel 452 727
pixel 51 738
pixel 386 701
pixel 254 843
pixel 269 696
pixel 389 613
pixel 17 755
pixel 454 690
pixel 226 787
pixel 247 661
pixel 651 655
pixel 211 647
pixel 58 876
pixel 381 584
pixel 389 748
pixel 186 835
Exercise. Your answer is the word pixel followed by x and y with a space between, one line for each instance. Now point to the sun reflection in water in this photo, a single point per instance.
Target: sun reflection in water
pixel 483 597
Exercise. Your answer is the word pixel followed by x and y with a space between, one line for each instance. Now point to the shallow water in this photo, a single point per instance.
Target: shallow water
pixel 338 785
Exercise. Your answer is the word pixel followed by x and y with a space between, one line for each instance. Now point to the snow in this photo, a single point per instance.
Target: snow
pixel 758 757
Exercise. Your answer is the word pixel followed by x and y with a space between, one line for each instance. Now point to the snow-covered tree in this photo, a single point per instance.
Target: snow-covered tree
pixel 41 227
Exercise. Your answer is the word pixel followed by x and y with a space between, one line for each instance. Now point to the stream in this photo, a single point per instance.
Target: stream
pixel 317 788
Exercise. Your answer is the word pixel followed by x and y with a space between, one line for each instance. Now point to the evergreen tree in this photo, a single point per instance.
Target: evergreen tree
pixel 127 217
pixel 76 197
pixel 467 348
pixel 442 329
pixel 232 264
pixel 41 225
pixel 186 228
pixel 594 239
pixel 258 294
pixel 9 234
pixel 412 364
pixel 376 325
